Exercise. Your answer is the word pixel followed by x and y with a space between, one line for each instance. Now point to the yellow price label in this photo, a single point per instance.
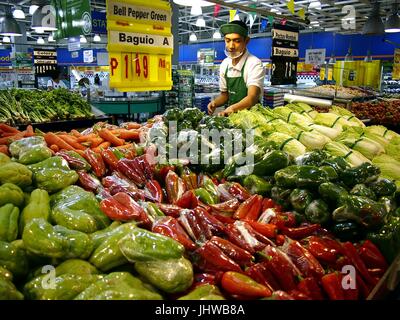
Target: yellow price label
pixel 322 74
pixel 139 71
pixel 330 74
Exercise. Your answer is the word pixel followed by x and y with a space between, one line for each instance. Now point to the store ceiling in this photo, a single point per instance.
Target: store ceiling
pixel 326 18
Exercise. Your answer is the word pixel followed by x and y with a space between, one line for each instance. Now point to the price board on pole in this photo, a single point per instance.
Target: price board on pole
pixel 140 45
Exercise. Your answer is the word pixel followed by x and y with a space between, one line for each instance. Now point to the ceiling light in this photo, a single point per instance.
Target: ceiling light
pixel 96 38
pixel 33 8
pixel 393 22
pixel 6 39
pixel 51 38
pixel 200 22
pixel 315 5
pixel 83 39
pixel 40 40
pixel 9 26
pixel 18 13
pixel 39 30
pixel 196 10
pixel 374 24
pixel 193 37
pixel 217 35
pixel 41 15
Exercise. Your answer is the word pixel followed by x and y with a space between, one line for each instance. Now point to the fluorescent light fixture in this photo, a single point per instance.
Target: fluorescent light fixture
pixel 200 22
pixel 40 40
pixel 393 22
pixel 374 24
pixel 193 37
pixel 196 10
pixel 332 29
pixel 217 35
pixel 315 5
pixel 39 30
pixel 9 26
pixel 83 39
pixel 51 38
pixel 33 8
pixel 18 13
pixel 6 39
pixel 96 38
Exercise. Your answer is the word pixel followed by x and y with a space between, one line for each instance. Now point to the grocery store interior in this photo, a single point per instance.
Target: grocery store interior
pixel 200 150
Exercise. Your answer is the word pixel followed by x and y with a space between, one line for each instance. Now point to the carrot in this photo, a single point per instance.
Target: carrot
pixel 72 141
pixel 87 137
pixel 133 125
pixel 51 139
pixel 10 139
pixel 7 128
pixel 55 148
pixel 80 152
pixel 102 146
pixel 76 133
pixel 129 134
pixel 4 149
pixel 96 142
pixel 29 131
pixel 7 134
pixel 125 146
pixel 108 136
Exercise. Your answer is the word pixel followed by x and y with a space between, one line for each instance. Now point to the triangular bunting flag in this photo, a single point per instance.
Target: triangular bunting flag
pixel 216 10
pixel 232 14
pixel 264 24
pixel 302 13
pixel 251 20
pixel 290 6
pixel 283 21
pixel 271 20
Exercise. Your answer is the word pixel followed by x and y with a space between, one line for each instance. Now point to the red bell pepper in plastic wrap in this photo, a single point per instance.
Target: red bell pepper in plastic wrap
pixel 250 207
pixel 145 167
pixel 170 209
pixel 189 178
pixel 131 170
pixel 210 258
pixel 262 275
pixel 372 256
pixel 280 295
pixel 133 191
pixel 89 182
pixel 223 192
pixel 215 226
pixel 241 256
pixel 74 159
pixel 311 288
pixel 300 232
pixel 332 284
pixel 174 186
pixel 206 278
pixel 321 249
pixel 188 200
pixel 109 158
pixel 239 192
pixel 229 206
pixel 299 295
pixel 238 284
pixel 96 162
pixel 193 226
pixel 153 191
pixel 280 265
pixel 170 227
pixel 266 229
pixel 282 220
pixel 302 258
pixel 161 171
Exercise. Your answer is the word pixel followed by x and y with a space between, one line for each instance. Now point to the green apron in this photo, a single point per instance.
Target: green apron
pixel 237 89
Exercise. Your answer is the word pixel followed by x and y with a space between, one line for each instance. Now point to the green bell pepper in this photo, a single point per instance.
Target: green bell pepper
pixel 300 199
pixel 4 159
pixel 99 236
pixel 11 193
pixel 313 158
pixel 8 291
pixel 143 245
pixel 363 191
pixel 38 207
pixel 5 274
pixel 204 292
pixel 13 257
pixel 281 196
pixel 209 185
pixel 16 173
pixel 383 187
pixel 257 185
pixel 42 239
pixel 118 286
pixel 331 173
pixel 108 255
pixel 332 193
pixel 171 276
pixel 9 215
pixel 55 179
pixel 300 177
pixel 194 115
pixel 30 150
pixel 204 196
pixel 338 164
pixel 76 266
pixel 390 204
pixel 63 287
pixel 51 163
pixel 348 231
pixel 363 173
pixel 318 212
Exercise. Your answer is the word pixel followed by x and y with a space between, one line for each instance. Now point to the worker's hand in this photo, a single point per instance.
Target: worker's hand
pixel 211 107
pixel 226 112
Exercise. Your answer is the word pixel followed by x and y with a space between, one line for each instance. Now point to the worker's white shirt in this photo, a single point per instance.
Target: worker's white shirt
pixel 254 71
pixel 55 85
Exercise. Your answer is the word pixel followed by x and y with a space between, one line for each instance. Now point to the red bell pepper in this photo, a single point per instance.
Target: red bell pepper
pixel 134 192
pixel 153 191
pixel 75 163
pixel 189 178
pixel 188 200
pixel 250 209
pixel 311 288
pixel 103 194
pixel 116 179
pixel 161 171
pixel 267 204
pixel 280 265
pixel 109 158
pixel 130 169
pixel 363 288
pixel 223 218
pixel 145 167
pixel 321 249
pixel 236 283
pixel 241 256
pixel 246 228
pixel 266 229
pixel 280 295
pixel 216 227
pixel 115 210
pixel 280 240
pixel 332 285
pixel 281 219
pixel 229 206
pixel 174 186
pixel 261 274
pixel 170 227
pixel 212 259
pixel 300 232
pixel 299 295
pixel 239 192
pixel 170 209
pixel 303 259
pixel 96 162
pixel 351 252
pixel 371 256
pixel 223 192
pixel 88 181
pixel 193 226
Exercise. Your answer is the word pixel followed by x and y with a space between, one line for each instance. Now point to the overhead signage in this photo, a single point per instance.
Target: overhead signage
pixel 99 22
pixel 88 56
pixel 316 57
pixel 45 61
pixel 285 52
pixel 206 57
pixel 285 35
pixel 396 65
pixel 140 45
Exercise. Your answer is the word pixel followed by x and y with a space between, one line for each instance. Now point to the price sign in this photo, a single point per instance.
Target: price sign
pixel 322 74
pixel 140 45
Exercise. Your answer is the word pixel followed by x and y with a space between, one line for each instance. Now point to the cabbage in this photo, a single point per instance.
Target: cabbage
pixel 341 111
pixel 332 120
pixel 287 144
pixel 382 131
pixel 290 116
pixel 367 147
pixel 331 133
pixel 393 148
pixel 353 157
pixel 296 108
pixel 390 168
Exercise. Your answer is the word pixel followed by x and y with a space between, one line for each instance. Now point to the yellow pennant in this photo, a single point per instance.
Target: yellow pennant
pixel 290 6
pixel 302 13
pixel 232 14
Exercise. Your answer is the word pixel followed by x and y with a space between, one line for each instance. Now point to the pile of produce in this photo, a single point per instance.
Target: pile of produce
pixel 339 91
pixel 115 225
pixel 36 106
pixel 385 112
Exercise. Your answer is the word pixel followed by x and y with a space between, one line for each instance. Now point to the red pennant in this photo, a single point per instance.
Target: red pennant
pixel 216 10
pixel 283 21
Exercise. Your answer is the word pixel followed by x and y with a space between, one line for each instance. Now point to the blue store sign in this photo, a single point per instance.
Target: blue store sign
pixel 99 22
pixel 5 58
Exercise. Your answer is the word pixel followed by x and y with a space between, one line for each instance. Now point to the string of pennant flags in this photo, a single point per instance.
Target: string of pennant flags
pixel 252 15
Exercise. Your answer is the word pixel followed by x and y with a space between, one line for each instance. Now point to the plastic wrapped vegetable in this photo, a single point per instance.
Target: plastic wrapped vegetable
pixel 15 173
pixel 4 159
pixel 363 191
pixel 77 209
pixel 30 150
pixel 313 158
pixel 204 292
pixel 300 199
pixel 332 193
pixel 194 115
pixel 8 291
pixel 383 187
pixel 256 184
pixel 9 215
pixel 300 176
pixel 13 257
pixel 10 193
pixel 38 207
pixel 318 212
pixel 363 173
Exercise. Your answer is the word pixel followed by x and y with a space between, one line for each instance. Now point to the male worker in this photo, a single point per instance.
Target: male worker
pixel 241 74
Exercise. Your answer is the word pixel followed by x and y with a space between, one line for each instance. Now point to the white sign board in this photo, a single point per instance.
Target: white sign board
pixel 88 56
pixel 315 57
